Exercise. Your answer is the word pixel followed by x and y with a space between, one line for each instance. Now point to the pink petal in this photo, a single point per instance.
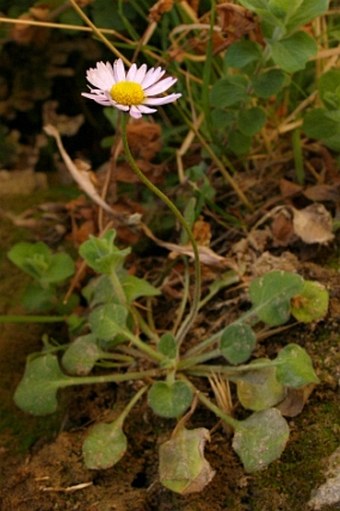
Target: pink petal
pixel 152 76
pixel 135 113
pixel 162 101
pixel 141 72
pixel 131 73
pixel 146 110
pixel 119 71
pixel 160 86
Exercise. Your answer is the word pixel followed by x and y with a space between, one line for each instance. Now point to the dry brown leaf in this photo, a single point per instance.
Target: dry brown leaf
pixel 144 139
pixel 202 232
pixel 160 8
pixel 288 188
pixel 323 193
pixel 40 12
pixel 81 175
pixel 282 229
pixel 313 224
pixel 206 255
pixel 125 174
pixel 295 400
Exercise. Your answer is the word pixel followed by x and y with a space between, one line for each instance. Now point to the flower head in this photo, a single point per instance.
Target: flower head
pixel 134 91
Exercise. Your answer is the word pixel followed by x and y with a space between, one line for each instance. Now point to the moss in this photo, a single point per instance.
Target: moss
pixel 287 484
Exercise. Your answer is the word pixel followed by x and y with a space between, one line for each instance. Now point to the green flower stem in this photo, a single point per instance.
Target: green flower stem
pixel 142 346
pixel 230 371
pixel 111 365
pixel 110 378
pixel 31 319
pixel 118 288
pixel 233 278
pixel 188 362
pixel 120 420
pixel 185 294
pixel 145 327
pixel 298 156
pixel 251 314
pixel 204 344
pixel 197 290
pixel 217 411
pixel 107 355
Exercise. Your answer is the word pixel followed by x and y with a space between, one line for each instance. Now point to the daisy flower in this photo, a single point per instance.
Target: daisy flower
pixel 134 91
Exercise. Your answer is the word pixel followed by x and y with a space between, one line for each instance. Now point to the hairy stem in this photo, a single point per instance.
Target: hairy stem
pixel 197 290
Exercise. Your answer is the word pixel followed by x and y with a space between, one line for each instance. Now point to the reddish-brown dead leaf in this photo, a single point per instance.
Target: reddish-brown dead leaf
pixel 289 189
pixel 144 139
pixel 202 232
pixel 154 172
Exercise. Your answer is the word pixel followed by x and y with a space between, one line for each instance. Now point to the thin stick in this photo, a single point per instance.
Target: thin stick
pixel 99 33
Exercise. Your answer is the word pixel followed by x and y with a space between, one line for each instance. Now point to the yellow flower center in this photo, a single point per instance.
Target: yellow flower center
pixel 127 93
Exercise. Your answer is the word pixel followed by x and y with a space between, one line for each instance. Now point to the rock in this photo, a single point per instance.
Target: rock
pixel 328 494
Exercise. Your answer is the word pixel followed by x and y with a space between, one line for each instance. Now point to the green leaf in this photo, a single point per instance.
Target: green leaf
pixel 239 143
pixel 242 53
pixel 182 466
pixel 261 439
pixel 329 88
pixel 104 446
pixel 323 125
pixel 37 391
pixel 37 298
pixel 251 121
pixel 170 400
pixel 253 5
pixel 268 16
pixel 295 367
pixel 101 254
pixel 292 53
pixel 167 345
pixel 99 291
pixel 237 343
pixel 60 268
pixel 311 304
pixel 81 355
pixel 271 295
pixel 259 389
pixel 307 11
pixel 37 260
pixel 222 119
pixel 32 258
pixel 135 287
pixel 284 8
pixel 269 83
pixel 228 91
pixel 108 320
pixel 108 14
